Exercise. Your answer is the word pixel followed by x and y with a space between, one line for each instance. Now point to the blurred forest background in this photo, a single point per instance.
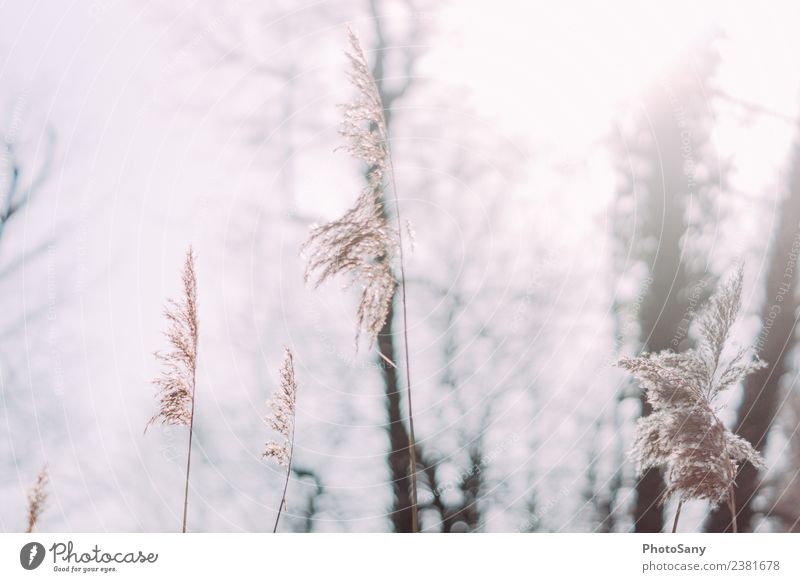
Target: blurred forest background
pixel 578 177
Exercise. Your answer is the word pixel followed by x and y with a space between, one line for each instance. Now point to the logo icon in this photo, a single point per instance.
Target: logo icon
pixel 31 555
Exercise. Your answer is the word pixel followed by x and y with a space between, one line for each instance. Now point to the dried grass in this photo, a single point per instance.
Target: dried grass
pixel 683 434
pixel 177 382
pixel 37 497
pixel 283 409
pixel 361 244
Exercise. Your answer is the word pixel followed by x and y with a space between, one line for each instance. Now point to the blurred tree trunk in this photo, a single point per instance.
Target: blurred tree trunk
pixel 14 194
pixel 398 457
pixel 602 498
pixel 18 186
pixel 784 502
pixel 663 311
pixel 758 408
pixel 309 511
pixel 659 161
pixel 464 515
pixel 663 191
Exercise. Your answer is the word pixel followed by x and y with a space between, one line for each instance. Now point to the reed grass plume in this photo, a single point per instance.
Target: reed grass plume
pixel 361 244
pixel 683 434
pixel 176 383
pixel 283 410
pixel 282 413
pixel 37 497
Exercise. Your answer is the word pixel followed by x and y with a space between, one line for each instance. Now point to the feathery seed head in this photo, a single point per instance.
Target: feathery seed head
pixel 177 380
pixel 282 413
pixel 683 433
pixel 37 496
pixel 361 244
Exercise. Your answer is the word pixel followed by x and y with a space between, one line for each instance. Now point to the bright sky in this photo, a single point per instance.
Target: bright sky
pixel 564 67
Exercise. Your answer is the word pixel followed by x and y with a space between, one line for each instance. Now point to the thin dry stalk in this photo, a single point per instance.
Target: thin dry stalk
pixel 361 244
pixel 677 516
pixel 37 496
pixel 684 433
pixel 177 382
pixel 283 407
pixel 732 508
